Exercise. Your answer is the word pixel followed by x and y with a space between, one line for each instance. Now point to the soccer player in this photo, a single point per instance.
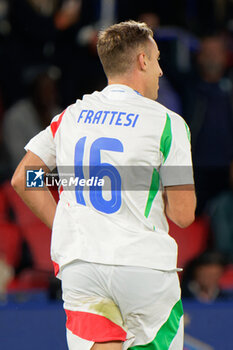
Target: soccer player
pixel 111 249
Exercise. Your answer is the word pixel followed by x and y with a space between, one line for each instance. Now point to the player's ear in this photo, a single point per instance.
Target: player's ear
pixel 142 61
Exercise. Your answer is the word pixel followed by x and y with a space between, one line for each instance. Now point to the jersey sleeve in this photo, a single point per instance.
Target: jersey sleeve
pixel 175 146
pixel 44 145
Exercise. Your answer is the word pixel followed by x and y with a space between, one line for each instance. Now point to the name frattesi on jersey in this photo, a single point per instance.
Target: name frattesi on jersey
pixel 108 117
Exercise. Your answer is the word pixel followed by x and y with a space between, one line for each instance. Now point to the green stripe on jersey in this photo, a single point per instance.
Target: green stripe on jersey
pixel 154 187
pixel 188 132
pixel 165 145
pixel 166 138
pixel 167 332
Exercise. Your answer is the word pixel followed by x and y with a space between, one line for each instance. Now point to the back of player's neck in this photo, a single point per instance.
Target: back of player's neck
pixel 126 82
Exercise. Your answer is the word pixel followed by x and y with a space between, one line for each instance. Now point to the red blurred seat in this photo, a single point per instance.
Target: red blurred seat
pixel 38 238
pixel 191 241
pixel 54 191
pixel 226 281
pixel 23 215
pixel 10 243
pixel 3 207
pixel 29 279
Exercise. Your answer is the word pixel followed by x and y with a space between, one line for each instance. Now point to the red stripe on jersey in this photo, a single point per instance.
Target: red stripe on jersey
pixel 93 327
pixel 56 268
pixel 61 189
pixel 55 125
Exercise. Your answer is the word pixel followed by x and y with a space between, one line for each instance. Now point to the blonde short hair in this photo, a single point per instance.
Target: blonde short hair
pixel 117 45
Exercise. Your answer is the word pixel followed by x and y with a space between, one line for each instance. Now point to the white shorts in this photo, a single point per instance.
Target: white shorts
pixel 135 305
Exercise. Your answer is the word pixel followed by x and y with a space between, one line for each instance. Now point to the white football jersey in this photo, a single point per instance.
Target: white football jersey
pixel 115 150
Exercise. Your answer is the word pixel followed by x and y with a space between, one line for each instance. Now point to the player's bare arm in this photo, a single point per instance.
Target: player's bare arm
pixel 180 204
pixel 40 202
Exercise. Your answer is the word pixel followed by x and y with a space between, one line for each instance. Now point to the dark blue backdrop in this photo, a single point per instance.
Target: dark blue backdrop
pixel 32 322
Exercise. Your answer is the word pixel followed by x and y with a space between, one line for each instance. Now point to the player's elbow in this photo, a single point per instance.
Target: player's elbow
pixel 184 215
pixel 14 182
pixel 17 180
pixel 181 206
pixel 185 220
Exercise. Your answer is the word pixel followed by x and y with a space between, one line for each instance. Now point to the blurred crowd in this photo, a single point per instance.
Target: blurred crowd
pixel 48 59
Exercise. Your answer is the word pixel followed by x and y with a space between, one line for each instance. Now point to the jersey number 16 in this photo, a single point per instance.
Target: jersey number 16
pixel 99 170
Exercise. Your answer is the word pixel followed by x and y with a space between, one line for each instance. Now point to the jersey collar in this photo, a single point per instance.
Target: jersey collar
pixel 120 88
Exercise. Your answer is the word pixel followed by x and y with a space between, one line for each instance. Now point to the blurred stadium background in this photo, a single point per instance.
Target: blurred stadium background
pixel 48 59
